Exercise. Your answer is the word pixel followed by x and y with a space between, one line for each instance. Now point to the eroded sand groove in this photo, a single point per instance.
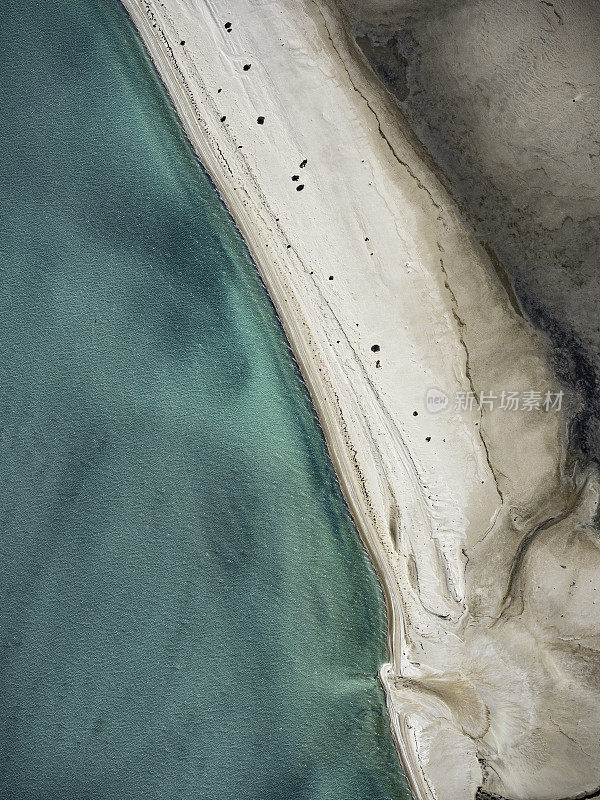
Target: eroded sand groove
pixel 480 526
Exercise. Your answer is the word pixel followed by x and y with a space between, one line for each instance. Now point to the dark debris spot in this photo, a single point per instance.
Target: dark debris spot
pixel 428 438
pixel 228 26
pixel 415 413
pixel 295 177
pixel 303 163
pixel 331 277
pixel 223 119
pixel 260 120
pixel 375 348
pixel 182 42
pixel 378 363
pixel 247 67
pixel 299 188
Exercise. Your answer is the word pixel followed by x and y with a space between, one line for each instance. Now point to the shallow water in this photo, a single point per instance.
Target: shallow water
pixel 185 609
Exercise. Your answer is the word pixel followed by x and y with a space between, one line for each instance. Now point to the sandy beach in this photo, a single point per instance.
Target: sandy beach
pixel 387 301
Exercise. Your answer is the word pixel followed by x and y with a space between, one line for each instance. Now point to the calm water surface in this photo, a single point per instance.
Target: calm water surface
pixel 185 609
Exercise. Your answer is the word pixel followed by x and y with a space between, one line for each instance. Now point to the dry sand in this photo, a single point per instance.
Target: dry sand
pixel 384 295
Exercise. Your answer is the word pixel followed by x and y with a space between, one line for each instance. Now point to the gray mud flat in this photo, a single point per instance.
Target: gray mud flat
pixel 505 100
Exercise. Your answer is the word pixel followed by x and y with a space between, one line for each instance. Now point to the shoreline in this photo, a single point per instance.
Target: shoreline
pixel 415 517
pixel 307 359
pixel 300 348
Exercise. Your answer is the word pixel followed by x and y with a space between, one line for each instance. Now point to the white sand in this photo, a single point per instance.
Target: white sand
pixel 483 684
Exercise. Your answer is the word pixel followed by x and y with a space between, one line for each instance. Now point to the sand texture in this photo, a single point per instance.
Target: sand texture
pixel 478 521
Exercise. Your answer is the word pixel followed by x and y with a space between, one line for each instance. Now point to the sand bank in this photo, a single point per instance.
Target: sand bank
pixel 386 300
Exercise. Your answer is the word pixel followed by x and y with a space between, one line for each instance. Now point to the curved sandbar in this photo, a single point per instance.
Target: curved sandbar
pixel 385 295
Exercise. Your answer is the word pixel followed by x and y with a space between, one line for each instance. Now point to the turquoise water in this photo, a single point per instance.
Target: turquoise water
pixel 185 609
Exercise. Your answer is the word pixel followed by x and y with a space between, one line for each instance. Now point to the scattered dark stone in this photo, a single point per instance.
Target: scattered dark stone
pixel 182 42
pixel 428 439
pixel 295 177
pixel 331 277
pixel 247 67
pixel 223 119
pixel 378 363
pixel 375 348
pixel 219 91
pixel 260 120
pixel 303 163
pixel 415 413
pixel 299 188
pixel 228 26
pixel 288 246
